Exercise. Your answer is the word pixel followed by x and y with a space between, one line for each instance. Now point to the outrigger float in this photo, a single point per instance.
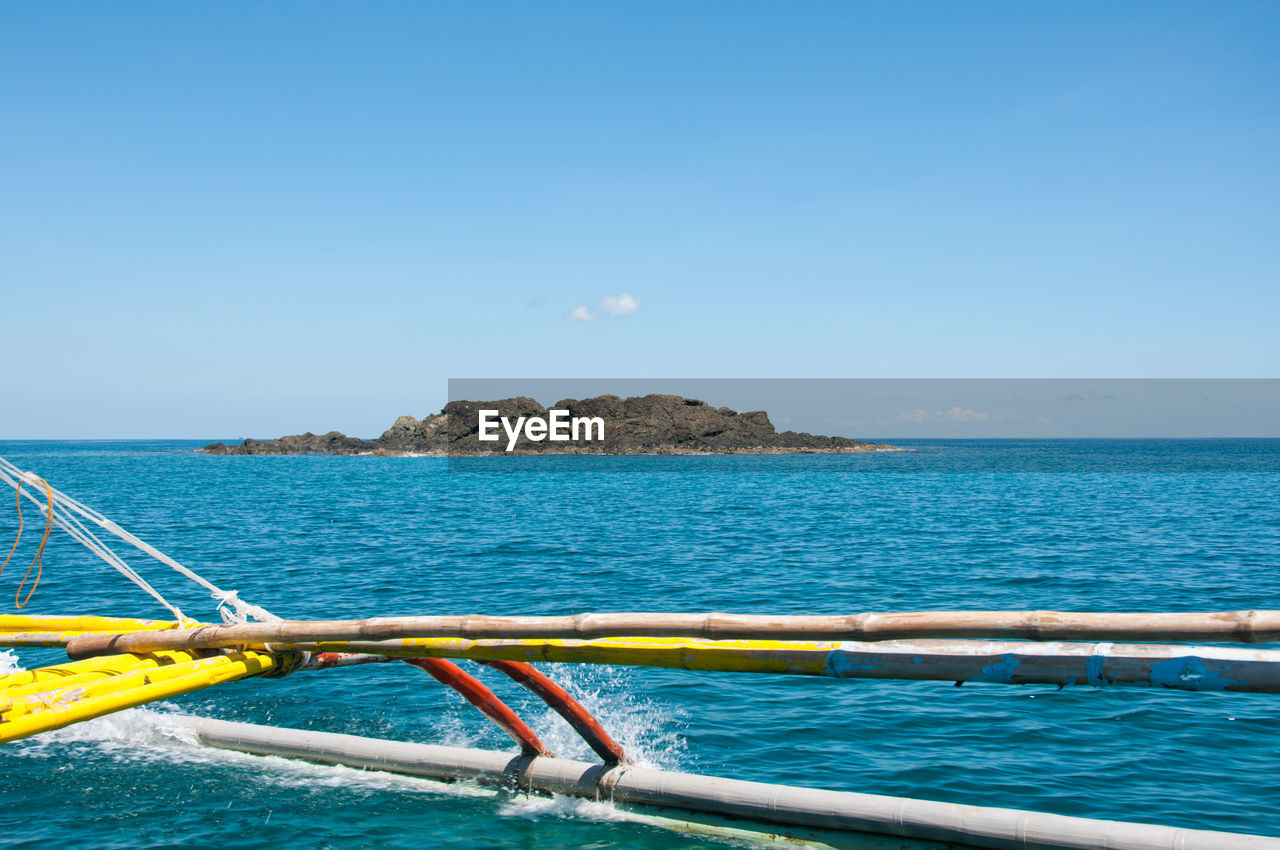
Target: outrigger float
pixel 118 663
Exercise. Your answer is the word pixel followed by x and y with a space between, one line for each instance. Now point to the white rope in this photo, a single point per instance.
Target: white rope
pixel 65 510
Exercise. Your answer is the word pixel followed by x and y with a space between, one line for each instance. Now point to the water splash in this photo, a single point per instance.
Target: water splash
pixel 532 807
pixel 646 729
pixel 135 735
pixel 161 734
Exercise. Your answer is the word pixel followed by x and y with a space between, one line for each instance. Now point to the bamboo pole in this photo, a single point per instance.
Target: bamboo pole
pixel 46 698
pixel 58 630
pixel 79 672
pixel 1189 668
pixel 78 623
pixel 850 813
pixel 61 706
pixel 129 674
pixel 1228 626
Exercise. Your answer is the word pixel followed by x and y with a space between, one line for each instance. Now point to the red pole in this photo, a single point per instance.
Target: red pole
pixel 475 692
pixel 566 706
pixel 326 660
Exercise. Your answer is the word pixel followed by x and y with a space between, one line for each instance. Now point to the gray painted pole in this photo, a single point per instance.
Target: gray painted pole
pixel 924 820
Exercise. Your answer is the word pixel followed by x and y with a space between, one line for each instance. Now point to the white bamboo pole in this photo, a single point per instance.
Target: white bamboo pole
pixel 924 820
pixel 1225 626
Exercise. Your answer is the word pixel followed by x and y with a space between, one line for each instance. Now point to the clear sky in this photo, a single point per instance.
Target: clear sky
pixel 231 219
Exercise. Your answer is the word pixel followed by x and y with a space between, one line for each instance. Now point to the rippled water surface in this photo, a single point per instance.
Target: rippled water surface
pixel 1101 525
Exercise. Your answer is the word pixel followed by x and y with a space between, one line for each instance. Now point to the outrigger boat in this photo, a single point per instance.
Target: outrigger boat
pixel 118 663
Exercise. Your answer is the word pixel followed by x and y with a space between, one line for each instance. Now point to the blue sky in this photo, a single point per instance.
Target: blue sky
pixel 256 218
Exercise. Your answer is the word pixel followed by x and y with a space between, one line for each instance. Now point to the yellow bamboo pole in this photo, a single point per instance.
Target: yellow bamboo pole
pixel 78 672
pixel 1194 668
pixel 1227 626
pixel 58 707
pixel 78 623
pixel 127 674
pixel 131 675
pixel 48 631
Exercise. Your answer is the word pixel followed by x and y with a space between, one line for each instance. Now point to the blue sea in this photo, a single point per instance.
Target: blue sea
pixel 1109 525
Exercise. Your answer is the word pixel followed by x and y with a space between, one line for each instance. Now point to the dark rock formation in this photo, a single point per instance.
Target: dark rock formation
pixel 333 443
pixel 652 424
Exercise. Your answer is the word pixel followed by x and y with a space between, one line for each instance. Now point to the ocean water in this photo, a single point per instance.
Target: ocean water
pixel 1097 525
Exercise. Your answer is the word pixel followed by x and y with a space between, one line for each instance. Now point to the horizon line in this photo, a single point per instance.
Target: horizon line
pixel 865 439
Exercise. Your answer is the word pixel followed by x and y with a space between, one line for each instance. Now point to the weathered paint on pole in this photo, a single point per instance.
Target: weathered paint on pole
pixel 1228 626
pixel 47 698
pixel 1185 668
pixel 78 623
pixel 58 630
pixel 130 682
pixel 924 820
pixel 329 660
pixel 77 673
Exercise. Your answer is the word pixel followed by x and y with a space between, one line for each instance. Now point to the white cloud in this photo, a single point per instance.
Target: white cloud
pixel 620 305
pixel 955 414
pixel 581 314
pixel 960 414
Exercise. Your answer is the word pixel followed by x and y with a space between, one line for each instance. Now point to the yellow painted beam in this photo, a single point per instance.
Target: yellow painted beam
pixel 1188 668
pixel 735 656
pixel 71 623
pixel 79 672
pixel 58 630
pixel 60 706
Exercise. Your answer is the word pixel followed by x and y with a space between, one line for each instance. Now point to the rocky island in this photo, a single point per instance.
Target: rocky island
pixel 651 424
